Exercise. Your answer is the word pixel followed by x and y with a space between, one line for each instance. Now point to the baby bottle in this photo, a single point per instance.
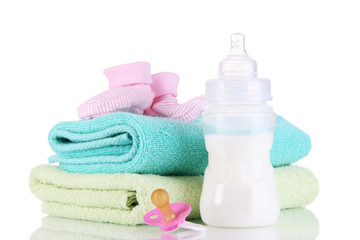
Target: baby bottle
pixel 239 187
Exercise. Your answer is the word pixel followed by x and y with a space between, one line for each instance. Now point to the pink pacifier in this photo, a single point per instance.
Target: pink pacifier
pixel 169 216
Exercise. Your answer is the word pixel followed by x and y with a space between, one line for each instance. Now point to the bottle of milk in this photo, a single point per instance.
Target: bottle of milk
pixel 239 184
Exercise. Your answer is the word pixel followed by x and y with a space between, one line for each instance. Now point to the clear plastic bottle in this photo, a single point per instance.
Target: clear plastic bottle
pixel 239 184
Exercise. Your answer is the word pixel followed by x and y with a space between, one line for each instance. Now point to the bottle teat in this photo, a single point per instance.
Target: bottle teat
pixel 237 64
pixel 237 80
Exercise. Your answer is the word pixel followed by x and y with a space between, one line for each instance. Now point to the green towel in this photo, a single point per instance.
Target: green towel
pixel 293 224
pixel 124 198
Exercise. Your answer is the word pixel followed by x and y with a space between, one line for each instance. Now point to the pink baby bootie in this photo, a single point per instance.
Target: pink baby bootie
pixel 129 91
pixel 165 103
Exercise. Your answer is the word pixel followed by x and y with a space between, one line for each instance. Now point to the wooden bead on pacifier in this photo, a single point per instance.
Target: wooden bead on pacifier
pixel 160 198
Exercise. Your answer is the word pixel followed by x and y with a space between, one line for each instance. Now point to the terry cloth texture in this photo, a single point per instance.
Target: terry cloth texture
pixel 124 142
pixel 290 143
pixel 124 198
pixel 293 224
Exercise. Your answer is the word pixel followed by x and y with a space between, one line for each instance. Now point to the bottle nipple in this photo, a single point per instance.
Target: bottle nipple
pixel 237 64
pixel 160 198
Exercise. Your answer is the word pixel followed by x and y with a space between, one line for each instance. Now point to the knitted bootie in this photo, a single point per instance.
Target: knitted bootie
pixel 129 91
pixel 165 103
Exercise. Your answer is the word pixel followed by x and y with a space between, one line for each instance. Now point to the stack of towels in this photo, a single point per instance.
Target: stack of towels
pixel 129 144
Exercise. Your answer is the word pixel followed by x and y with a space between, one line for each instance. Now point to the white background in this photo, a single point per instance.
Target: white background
pixel 52 54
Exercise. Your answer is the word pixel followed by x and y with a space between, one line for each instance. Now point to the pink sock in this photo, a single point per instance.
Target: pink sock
pixel 129 91
pixel 165 103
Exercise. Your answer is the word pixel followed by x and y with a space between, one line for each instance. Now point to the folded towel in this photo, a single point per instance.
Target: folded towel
pixel 290 143
pixel 124 198
pixel 123 142
pixel 292 224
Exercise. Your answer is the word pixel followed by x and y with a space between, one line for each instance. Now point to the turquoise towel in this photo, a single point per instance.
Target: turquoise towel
pixel 290 143
pixel 123 142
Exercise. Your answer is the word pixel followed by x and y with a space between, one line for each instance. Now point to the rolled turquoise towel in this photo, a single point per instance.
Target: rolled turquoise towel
pixel 124 142
pixel 124 198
